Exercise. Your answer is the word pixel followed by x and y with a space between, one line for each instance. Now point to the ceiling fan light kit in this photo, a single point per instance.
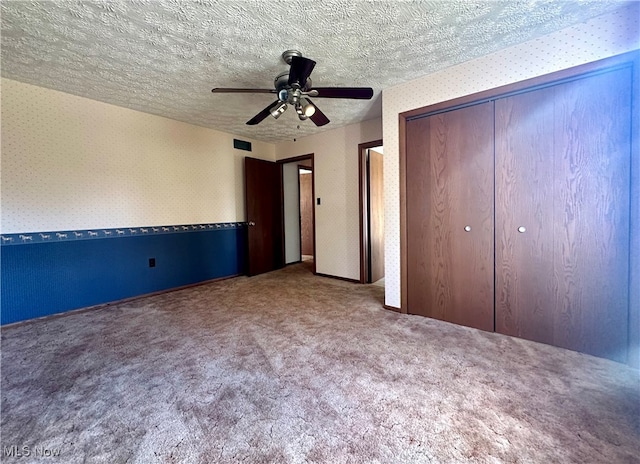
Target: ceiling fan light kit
pixel 278 110
pixel 294 88
pixel 305 108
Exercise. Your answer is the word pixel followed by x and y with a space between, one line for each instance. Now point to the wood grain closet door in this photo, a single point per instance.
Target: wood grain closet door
pixel 525 284
pixel 450 179
pixel 563 173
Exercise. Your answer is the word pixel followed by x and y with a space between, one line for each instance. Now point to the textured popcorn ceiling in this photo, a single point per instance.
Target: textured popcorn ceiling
pixel 164 56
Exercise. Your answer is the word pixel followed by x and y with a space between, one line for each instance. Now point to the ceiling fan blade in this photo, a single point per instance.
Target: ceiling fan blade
pixel 222 90
pixel 363 93
pixel 300 70
pixel 258 118
pixel 318 118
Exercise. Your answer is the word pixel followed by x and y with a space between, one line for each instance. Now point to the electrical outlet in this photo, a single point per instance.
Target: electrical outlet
pixel 152 262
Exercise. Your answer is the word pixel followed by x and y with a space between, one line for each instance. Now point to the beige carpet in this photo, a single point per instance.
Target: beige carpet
pixel 291 368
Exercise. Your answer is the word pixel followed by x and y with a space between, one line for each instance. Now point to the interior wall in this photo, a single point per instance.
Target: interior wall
pixel 101 203
pixel 601 37
pixel 336 184
pixel 291 212
pixel 73 163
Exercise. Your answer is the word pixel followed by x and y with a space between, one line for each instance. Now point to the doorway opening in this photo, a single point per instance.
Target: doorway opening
pixel 305 177
pixel 298 211
pixel 371 194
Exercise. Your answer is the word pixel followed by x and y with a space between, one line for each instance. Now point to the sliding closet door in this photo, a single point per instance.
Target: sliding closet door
pixel 525 285
pixel 450 180
pixel 562 217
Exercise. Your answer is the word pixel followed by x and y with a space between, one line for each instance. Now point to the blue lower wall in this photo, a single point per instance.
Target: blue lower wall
pixel 48 277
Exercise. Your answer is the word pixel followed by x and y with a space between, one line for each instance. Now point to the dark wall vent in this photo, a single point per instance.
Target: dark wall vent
pixel 241 145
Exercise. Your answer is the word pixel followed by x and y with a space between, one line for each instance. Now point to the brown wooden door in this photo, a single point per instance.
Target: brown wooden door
pixel 450 181
pixel 264 215
pixel 562 218
pixel 376 216
pixel 306 214
pixel 525 284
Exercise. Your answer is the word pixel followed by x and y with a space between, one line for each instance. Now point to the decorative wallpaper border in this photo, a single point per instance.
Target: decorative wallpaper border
pixel 25 238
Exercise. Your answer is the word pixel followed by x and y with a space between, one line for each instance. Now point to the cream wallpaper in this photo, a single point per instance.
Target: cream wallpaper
pixel 604 36
pixel 336 183
pixel 73 163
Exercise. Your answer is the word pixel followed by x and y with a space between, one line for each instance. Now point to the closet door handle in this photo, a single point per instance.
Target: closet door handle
pixel 522 229
pixel 467 228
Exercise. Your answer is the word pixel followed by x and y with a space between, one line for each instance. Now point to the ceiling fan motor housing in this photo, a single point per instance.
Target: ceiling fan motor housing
pixel 281 81
pixel 285 91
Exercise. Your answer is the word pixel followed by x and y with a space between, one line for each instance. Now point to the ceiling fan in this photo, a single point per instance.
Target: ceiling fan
pixel 294 88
